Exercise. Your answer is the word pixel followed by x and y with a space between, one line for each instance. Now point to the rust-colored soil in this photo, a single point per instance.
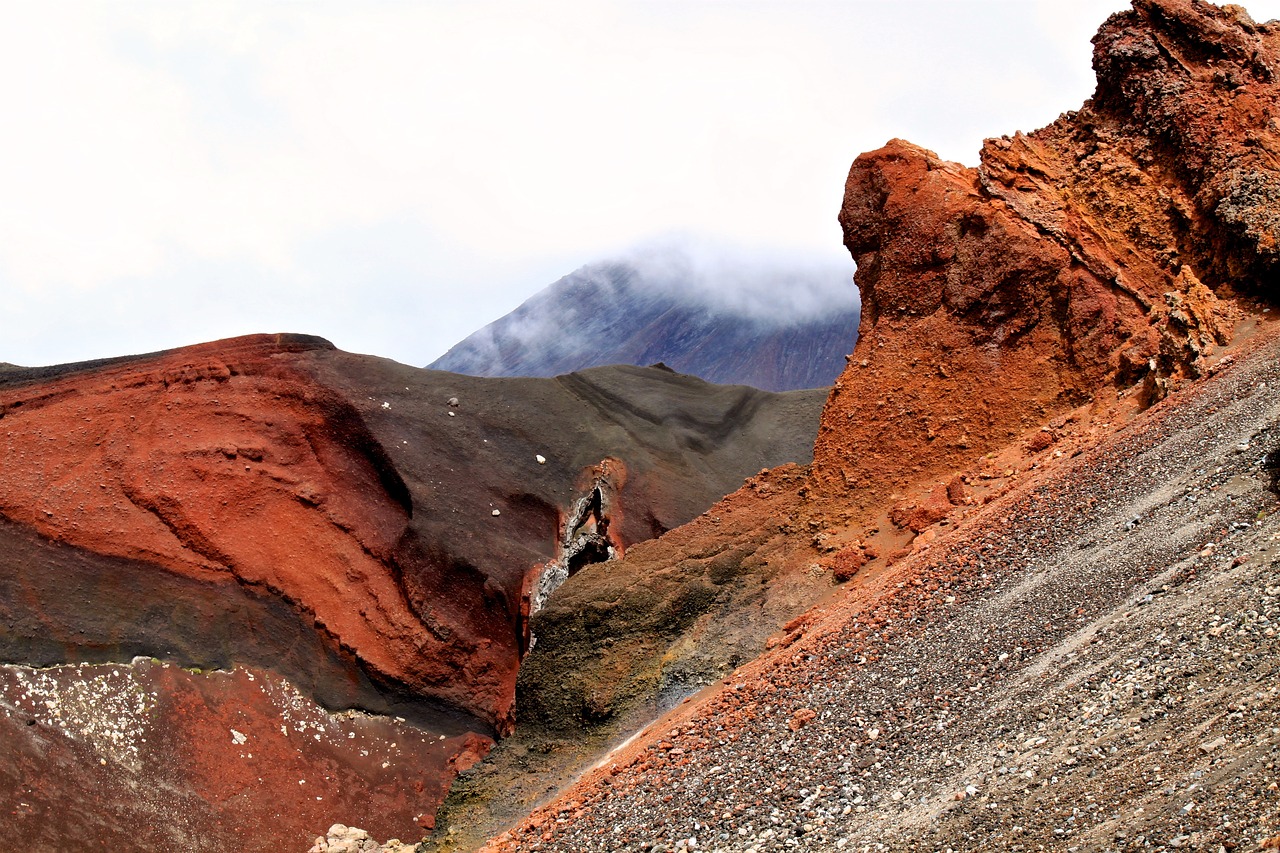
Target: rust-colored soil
pixel 150 756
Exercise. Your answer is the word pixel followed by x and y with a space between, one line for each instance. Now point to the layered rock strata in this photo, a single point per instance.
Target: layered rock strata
pixel 369 532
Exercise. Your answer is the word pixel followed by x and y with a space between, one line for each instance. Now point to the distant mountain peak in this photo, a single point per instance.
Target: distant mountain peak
pixel 769 322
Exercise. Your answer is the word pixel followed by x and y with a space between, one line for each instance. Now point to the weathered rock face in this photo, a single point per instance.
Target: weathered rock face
pixel 1110 246
pixel 226 466
pixel 368 531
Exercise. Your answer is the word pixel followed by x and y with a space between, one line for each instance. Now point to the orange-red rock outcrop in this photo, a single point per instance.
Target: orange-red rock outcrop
pixel 1110 248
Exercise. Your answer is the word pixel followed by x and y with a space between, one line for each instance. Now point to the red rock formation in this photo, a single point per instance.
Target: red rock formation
pixel 1090 266
pixel 362 529
pixel 225 464
pixel 1107 247
pixel 1087 267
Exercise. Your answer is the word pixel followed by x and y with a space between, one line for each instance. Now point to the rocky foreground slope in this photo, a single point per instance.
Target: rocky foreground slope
pixel 342 534
pixel 1091 662
pixel 1016 315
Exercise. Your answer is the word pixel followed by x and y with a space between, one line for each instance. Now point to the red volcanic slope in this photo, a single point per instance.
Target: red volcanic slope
pixel 226 465
pixel 367 531
pixel 154 757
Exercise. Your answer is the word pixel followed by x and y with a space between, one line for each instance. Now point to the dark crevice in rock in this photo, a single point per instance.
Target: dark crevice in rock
pixel 588 541
pixel 585 538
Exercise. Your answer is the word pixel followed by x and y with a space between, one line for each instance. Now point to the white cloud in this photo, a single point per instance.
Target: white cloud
pixel 764 284
pixel 425 166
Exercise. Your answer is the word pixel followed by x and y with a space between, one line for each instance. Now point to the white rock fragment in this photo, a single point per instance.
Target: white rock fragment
pixel 238 737
pixel 1210 745
pixel 497 512
pixel 542 460
pixel 385 404
pixel 344 839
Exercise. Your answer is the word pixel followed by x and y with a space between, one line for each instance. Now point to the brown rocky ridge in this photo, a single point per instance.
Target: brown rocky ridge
pixel 1036 348
pixel 358 544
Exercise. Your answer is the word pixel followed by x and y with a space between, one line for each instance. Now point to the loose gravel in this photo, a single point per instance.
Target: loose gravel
pixel 1090 664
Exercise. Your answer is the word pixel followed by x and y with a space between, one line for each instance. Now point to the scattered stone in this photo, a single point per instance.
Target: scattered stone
pixel 847 562
pixel 344 839
pixel 1211 745
pixel 1041 441
pixel 349 839
pixel 801 718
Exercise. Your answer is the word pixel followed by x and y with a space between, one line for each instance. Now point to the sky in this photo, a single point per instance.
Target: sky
pixel 394 175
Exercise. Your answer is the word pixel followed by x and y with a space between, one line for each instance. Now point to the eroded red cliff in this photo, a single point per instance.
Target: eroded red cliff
pixel 226 465
pixel 1111 248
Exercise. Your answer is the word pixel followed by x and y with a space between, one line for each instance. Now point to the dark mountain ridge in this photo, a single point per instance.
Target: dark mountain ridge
pixel 627 313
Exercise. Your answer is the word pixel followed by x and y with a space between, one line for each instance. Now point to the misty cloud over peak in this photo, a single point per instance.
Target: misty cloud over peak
pixel 778 287
pixel 770 319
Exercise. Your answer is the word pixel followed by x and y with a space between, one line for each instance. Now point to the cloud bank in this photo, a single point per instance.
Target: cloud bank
pixel 392 175
pixel 771 286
